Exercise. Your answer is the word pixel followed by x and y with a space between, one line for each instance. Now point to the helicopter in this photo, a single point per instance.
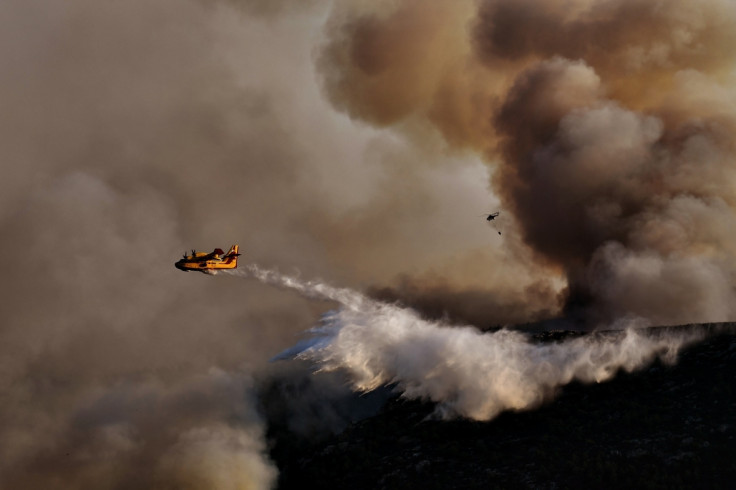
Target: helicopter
pixel 491 216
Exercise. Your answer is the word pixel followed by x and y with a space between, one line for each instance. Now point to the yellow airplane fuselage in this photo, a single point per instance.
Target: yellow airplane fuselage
pixel 209 263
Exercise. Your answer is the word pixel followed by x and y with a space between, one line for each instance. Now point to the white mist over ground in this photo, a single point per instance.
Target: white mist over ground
pixel 466 372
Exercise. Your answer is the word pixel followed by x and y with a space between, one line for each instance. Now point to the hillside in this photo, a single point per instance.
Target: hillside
pixel 663 427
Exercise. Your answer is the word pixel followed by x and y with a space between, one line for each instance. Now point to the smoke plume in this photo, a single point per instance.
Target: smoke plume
pixel 126 128
pixel 134 131
pixel 609 127
pixel 355 141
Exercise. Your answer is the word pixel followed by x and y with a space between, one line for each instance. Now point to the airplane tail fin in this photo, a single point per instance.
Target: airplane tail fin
pixel 232 255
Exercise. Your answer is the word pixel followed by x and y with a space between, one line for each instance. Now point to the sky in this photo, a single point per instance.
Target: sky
pixel 356 143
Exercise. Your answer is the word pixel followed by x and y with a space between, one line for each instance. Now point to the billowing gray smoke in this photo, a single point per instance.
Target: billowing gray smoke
pixel 609 127
pixel 135 130
pixel 636 212
pixel 125 128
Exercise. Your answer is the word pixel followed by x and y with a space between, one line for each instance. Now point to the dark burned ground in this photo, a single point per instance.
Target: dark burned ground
pixel 663 427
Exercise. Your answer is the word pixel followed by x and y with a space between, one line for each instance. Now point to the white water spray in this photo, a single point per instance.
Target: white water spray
pixel 466 372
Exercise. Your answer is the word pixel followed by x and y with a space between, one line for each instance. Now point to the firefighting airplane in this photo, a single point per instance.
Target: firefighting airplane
pixel 209 263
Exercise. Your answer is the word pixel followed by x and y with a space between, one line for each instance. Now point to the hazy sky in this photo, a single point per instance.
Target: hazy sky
pixel 357 142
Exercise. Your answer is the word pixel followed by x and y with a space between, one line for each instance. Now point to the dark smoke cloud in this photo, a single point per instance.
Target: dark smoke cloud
pixel 616 176
pixel 620 39
pixel 608 126
pixel 438 299
pixel 386 61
